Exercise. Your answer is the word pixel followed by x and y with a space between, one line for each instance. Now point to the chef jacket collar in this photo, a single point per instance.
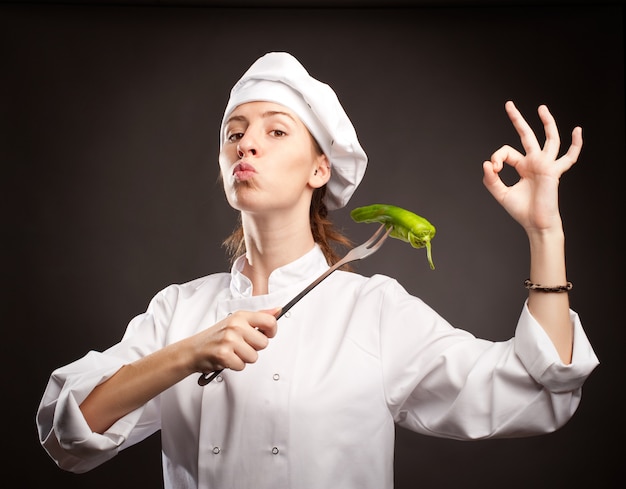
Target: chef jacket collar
pixel 305 268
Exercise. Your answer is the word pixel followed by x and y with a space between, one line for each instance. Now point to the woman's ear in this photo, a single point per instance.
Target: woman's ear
pixel 321 172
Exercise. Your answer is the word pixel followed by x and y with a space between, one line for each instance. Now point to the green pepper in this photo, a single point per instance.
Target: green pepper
pixel 407 226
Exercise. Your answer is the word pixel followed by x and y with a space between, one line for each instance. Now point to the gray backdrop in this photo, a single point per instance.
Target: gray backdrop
pixel 108 141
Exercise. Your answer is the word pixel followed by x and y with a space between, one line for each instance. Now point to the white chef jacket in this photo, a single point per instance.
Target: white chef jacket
pixel 317 410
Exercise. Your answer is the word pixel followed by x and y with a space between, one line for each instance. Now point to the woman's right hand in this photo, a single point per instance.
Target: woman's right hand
pixel 234 341
pixel 231 343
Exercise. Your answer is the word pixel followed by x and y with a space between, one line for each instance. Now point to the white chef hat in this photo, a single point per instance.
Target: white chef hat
pixel 280 78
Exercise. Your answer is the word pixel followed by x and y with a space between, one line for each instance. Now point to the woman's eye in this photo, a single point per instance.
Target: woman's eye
pixel 278 133
pixel 236 136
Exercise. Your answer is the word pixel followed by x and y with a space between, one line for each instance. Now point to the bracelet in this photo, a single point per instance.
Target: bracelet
pixel 552 288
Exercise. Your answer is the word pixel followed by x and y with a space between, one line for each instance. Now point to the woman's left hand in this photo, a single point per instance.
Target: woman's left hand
pixel 533 199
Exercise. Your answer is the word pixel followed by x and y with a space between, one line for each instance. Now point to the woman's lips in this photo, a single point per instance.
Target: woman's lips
pixel 243 171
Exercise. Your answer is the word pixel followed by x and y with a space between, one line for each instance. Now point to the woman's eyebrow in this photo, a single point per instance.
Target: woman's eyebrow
pixel 266 114
pixel 271 113
pixel 235 118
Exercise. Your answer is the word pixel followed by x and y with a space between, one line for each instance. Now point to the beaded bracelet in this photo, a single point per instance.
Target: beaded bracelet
pixel 552 288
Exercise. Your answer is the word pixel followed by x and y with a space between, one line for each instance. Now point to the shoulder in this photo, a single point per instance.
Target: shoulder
pixel 376 285
pixel 198 287
pixel 207 282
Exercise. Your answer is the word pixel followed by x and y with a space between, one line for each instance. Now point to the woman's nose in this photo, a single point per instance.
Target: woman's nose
pixel 246 146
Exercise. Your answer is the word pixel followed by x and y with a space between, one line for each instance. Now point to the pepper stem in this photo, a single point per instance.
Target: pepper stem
pixel 429 255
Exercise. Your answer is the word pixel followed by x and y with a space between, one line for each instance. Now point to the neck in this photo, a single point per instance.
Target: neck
pixel 272 243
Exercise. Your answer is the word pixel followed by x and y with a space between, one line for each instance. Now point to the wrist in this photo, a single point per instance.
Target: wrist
pixel 182 358
pixel 544 236
pixel 547 257
pixel 548 288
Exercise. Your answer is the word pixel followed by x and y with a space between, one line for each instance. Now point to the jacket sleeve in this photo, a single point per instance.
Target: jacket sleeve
pixel 538 354
pixel 443 381
pixel 62 429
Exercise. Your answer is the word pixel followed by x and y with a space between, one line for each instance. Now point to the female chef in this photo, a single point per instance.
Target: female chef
pixel 354 357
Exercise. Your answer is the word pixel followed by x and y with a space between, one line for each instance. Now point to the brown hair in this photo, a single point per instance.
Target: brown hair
pixel 325 234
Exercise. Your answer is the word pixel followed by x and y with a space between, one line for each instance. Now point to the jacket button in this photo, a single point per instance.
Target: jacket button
pixel 216 450
pixel 276 376
pixel 275 450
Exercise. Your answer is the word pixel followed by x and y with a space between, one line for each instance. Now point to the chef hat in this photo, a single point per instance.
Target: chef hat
pixel 280 78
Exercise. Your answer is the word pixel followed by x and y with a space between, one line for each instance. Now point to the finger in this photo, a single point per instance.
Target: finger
pixel 256 339
pixel 274 312
pixel 492 181
pixel 568 159
pixel 241 351
pixel 265 321
pixel 225 356
pixel 525 132
pixel 244 354
pixel 506 154
pixel 553 140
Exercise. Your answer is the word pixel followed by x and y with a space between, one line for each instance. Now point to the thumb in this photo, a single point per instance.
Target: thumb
pixel 274 311
pixel 492 180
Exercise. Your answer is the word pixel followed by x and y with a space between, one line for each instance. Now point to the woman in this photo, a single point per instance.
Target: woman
pixel 349 361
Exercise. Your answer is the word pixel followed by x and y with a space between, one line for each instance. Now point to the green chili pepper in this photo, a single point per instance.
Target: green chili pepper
pixel 407 226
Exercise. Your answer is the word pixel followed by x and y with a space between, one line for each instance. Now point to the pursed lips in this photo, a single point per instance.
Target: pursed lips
pixel 243 171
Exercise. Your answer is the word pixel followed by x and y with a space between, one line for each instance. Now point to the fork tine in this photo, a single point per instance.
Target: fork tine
pixel 380 242
pixel 372 247
pixel 369 247
pixel 374 237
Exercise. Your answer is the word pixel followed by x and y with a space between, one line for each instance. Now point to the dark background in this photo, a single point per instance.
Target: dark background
pixel 108 141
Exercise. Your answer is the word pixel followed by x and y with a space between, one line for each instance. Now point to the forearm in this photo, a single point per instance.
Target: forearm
pixel 551 309
pixel 134 385
pixel 231 343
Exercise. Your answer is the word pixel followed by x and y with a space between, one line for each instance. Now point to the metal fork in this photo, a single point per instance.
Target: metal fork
pixel 358 253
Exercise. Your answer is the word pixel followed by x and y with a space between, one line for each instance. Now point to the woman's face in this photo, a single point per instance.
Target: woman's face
pixel 269 159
